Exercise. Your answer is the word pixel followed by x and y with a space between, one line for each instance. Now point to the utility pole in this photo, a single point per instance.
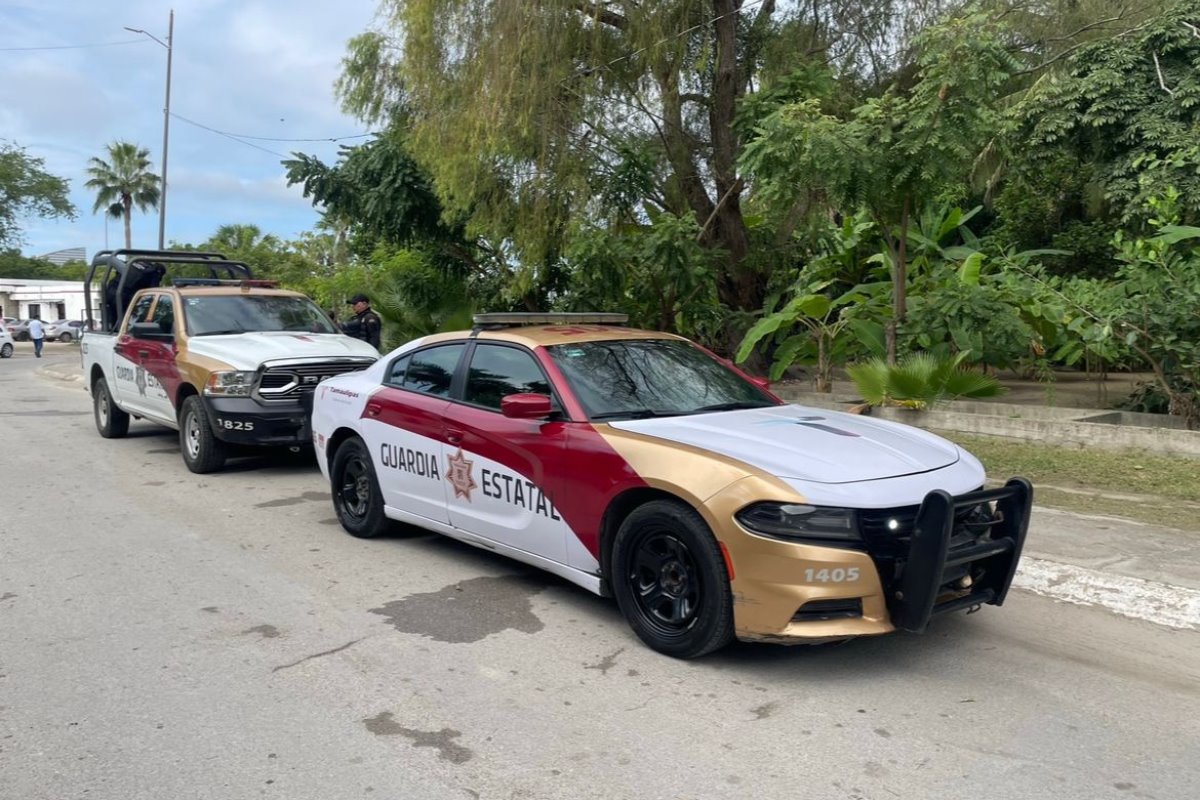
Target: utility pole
pixel 162 198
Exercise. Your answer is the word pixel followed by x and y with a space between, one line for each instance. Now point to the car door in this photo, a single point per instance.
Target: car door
pixel 129 376
pixel 404 424
pixel 157 356
pixel 501 481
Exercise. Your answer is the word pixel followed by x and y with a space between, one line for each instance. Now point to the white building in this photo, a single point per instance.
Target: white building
pixel 60 257
pixel 47 300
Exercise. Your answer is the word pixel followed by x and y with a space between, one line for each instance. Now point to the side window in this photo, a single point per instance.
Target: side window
pixel 431 371
pixel 498 371
pixel 164 313
pixel 141 309
pixel 395 373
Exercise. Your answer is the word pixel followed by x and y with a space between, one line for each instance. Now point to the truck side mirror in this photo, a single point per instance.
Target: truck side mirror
pixel 147 330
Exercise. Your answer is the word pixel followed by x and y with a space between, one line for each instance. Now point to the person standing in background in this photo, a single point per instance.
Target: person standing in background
pixel 38 334
pixel 365 324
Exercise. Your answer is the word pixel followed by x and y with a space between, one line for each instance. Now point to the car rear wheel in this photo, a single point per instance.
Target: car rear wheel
pixel 202 451
pixel 111 422
pixel 66 337
pixel 670 581
pixel 357 499
pixel 6 350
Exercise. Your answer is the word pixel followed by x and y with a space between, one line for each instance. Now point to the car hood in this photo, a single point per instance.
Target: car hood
pixel 247 351
pixel 808 444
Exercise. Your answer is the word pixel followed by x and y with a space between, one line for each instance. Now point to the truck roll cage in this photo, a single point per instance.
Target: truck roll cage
pixel 123 273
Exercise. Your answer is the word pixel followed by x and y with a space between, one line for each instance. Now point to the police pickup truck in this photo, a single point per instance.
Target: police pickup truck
pixel 191 341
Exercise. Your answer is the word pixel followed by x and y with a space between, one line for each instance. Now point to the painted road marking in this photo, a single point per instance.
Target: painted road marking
pixel 1161 603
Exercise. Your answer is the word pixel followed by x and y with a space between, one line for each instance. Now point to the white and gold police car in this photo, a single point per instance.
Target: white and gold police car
pixel 638 465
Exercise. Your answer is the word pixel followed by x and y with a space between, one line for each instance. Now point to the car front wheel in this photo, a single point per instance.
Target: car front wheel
pixel 66 337
pixel 111 422
pixel 202 451
pixel 357 499
pixel 670 581
pixel 6 350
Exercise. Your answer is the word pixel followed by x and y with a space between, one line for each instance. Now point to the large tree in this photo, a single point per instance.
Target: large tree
pixel 27 189
pixel 123 182
pixel 531 117
pixel 1124 113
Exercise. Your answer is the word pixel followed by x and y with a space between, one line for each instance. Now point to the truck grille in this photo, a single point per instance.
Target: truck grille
pixel 291 381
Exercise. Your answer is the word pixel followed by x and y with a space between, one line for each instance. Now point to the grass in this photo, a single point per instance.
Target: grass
pixel 1162 490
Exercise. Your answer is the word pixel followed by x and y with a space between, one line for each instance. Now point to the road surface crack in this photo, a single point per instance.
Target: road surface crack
pixel 318 655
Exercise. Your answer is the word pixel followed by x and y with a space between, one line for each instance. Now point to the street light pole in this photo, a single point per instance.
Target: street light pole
pixel 162 198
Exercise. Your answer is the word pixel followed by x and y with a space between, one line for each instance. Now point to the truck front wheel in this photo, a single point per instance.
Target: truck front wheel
pixel 112 422
pixel 202 452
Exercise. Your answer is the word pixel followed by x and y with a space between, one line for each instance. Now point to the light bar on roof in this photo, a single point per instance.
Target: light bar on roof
pixel 563 318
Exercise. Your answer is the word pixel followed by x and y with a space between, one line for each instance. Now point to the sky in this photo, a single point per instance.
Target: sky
pixel 261 68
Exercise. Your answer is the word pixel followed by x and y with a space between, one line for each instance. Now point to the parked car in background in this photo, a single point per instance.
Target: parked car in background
pixel 19 330
pixel 6 343
pixel 64 330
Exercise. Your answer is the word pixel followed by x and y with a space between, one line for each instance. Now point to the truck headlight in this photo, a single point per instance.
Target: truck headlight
pixel 799 521
pixel 229 384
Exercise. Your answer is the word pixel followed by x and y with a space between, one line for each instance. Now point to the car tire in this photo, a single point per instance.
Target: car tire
pixel 670 581
pixel 357 499
pixel 111 422
pixel 6 350
pixel 202 451
pixel 64 338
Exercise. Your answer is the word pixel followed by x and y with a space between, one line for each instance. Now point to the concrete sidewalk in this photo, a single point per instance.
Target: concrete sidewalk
pixel 1132 568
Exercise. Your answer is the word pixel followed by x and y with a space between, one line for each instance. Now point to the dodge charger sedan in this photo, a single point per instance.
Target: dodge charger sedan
pixel 640 466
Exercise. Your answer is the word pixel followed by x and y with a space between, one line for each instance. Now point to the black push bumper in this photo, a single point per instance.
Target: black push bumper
pixel 242 420
pixel 932 579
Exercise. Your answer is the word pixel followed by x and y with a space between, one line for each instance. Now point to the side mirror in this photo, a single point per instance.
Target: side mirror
pixel 526 406
pixel 147 330
pixel 761 383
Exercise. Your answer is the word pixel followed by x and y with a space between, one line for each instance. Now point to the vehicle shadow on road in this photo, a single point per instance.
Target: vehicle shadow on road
pixel 854 661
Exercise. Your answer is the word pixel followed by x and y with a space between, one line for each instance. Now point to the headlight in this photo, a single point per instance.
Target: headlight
pixel 229 384
pixel 798 521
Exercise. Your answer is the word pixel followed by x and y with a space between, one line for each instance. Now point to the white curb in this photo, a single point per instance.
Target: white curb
pixel 1161 603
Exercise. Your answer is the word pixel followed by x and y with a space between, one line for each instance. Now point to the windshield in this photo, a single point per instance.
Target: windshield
pixel 650 378
pixel 219 314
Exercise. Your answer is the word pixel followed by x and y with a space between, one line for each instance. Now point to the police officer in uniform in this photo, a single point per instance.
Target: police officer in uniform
pixel 365 324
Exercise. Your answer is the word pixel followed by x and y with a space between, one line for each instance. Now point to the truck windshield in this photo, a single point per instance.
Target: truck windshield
pixel 215 315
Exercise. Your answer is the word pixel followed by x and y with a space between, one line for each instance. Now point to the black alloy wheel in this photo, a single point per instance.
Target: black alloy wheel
pixel 670 581
pixel 357 499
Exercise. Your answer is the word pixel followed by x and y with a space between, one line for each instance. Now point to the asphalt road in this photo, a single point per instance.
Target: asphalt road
pixel 165 635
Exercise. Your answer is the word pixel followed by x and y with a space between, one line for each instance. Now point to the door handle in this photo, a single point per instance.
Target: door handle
pixel 454 436
pixel 374 409
pixel 144 353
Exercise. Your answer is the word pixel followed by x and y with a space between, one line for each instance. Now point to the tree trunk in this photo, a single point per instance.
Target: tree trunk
pixel 127 206
pixel 899 285
pixel 824 368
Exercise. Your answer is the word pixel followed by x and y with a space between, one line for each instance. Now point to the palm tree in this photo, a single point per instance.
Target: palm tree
pixel 123 182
